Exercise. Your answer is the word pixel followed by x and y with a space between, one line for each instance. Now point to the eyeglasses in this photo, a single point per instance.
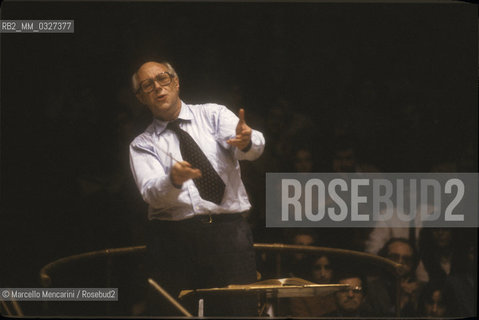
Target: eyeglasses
pixel 354 289
pixel 319 267
pixel 148 85
pixel 405 259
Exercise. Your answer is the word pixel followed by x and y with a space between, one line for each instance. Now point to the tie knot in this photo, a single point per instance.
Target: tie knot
pixel 174 125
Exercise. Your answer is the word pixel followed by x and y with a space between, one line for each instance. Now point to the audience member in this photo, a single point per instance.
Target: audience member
pixel 322 273
pixel 433 301
pixel 382 289
pixel 299 265
pixel 384 231
pixel 436 250
pixel 462 282
pixel 351 302
pixel 303 160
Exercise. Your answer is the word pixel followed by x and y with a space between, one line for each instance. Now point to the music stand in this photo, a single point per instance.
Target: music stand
pixel 272 290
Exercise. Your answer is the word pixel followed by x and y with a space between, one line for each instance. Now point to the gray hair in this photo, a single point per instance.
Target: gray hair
pixel 135 85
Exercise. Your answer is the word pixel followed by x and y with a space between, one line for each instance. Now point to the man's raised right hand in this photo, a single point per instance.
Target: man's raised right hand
pixel 183 171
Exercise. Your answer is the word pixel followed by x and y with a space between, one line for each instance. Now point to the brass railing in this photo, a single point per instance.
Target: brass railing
pixel 385 264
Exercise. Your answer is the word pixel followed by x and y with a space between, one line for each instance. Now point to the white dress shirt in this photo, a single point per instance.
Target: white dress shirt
pixel 210 125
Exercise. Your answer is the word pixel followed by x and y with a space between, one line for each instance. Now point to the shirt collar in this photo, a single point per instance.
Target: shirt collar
pixel 185 114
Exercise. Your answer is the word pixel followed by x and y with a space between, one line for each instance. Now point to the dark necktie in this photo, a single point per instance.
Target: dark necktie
pixel 210 185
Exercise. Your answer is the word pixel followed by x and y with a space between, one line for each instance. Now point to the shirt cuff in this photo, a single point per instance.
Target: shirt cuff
pixel 174 184
pixel 254 148
pixel 248 146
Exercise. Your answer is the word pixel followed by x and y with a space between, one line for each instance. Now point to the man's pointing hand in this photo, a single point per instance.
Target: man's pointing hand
pixel 243 133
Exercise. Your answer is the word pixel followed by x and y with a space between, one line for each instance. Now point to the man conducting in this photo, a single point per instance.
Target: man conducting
pixel 186 167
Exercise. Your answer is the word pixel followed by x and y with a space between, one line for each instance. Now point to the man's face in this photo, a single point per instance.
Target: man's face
pixel 442 237
pixel 303 161
pixel 322 272
pixel 164 101
pixel 401 253
pixel 302 240
pixel 344 161
pixel 435 306
pixel 350 300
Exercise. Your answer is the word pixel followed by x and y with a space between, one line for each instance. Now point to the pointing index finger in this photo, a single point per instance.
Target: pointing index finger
pixel 241 115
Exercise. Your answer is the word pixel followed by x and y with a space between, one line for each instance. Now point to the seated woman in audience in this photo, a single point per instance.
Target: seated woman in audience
pixel 321 273
pixel 433 301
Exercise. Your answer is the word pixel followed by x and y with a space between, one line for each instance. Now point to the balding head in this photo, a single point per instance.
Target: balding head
pixel 135 84
pixel 156 85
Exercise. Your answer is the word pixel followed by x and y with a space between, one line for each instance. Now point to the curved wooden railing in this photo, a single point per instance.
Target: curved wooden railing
pixel 389 266
pixel 50 268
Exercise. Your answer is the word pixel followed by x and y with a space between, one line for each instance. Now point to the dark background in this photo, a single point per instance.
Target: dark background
pixel 399 79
